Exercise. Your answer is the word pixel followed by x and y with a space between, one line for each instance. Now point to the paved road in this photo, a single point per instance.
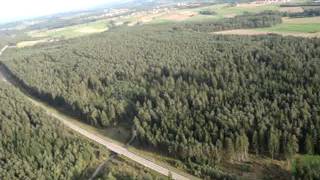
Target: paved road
pixel 3 49
pixel 108 144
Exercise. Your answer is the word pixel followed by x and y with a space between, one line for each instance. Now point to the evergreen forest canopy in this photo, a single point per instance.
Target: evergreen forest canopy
pixel 202 98
pixel 35 146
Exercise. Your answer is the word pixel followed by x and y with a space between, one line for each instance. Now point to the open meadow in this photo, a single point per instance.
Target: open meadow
pixel 305 27
pixel 73 31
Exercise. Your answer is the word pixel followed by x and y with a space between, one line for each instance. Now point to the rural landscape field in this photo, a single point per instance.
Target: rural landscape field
pixel 167 89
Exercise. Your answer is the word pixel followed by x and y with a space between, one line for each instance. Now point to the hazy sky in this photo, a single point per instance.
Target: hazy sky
pixel 20 9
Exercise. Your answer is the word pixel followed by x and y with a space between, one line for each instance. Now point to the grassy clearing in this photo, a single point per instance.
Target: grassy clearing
pixel 160 21
pixel 296 25
pixel 305 160
pixel 73 31
pixel 257 167
pixel 163 160
pixel 293 28
pixel 305 27
pixel 31 43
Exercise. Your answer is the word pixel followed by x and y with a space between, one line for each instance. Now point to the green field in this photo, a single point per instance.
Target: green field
pixel 296 25
pixel 311 163
pixel 305 28
pixel 74 31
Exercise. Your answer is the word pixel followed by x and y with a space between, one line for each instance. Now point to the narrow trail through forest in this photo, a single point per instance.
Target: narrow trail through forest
pixel 97 137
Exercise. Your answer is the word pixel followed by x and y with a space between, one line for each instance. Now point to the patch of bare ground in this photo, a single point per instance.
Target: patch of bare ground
pixel 31 43
pixel 308 20
pixel 179 16
pixel 241 32
pixel 249 5
pixel 257 168
pixel 90 30
pixel 291 9
pixel 230 15
pixel 149 17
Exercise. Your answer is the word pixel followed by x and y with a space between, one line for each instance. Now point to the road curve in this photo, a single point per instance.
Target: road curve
pixel 108 144
pixel 3 49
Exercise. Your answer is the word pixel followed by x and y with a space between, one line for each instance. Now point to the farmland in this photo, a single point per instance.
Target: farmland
pixel 150 17
pixel 73 31
pixel 298 25
pixel 306 27
pixel 221 11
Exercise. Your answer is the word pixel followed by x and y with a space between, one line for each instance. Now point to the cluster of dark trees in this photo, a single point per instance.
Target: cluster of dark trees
pixel 207 12
pixel 199 97
pixel 263 19
pixel 307 167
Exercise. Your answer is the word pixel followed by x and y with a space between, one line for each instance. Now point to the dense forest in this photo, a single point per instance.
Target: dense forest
pixel 245 21
pixel 35 146
pixel 202 98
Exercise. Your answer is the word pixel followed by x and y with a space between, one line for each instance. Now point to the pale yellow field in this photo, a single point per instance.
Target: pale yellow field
pixel 90 30
pixel 179 16
pixel 291 9
pixel 252 32
pixel 31 43
pixel 72 31
pixel 301 20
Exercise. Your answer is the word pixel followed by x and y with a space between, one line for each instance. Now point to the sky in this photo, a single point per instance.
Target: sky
pixel 11 10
